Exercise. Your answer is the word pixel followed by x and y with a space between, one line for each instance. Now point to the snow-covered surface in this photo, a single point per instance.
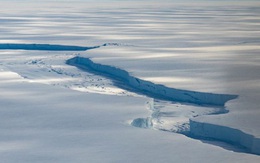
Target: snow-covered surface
pixel 41 123
pixel 55 112
pixel 154 90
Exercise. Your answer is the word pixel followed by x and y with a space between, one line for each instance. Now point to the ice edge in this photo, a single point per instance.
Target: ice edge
pixel 151 89
pixel 226 134
pixel 46 47
pixel 197 129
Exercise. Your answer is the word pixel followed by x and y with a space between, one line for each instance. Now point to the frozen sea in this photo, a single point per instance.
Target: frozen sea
pixel 129 81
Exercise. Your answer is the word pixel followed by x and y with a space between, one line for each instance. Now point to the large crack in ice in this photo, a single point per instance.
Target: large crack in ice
pixel 168 116
pixel 150 89
pixel 49 47
pixel 171 109
pixel 176 119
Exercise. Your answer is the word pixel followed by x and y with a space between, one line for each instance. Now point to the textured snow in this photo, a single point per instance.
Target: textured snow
pixel 40 123
pixel 54 112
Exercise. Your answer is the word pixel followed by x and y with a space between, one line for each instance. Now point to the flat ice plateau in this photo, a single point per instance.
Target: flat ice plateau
pixel 113 81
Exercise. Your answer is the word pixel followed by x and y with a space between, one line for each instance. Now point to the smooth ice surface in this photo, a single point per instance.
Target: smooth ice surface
pixel 54 112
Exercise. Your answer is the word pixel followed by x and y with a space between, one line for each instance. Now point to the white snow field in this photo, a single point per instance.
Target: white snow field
pixel 129 81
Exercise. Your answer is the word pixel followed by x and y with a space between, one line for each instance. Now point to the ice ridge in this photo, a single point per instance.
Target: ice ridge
pixel 196 129
pixel 50 47
pixel 151 89
pixel 44 47
pixel 226 134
